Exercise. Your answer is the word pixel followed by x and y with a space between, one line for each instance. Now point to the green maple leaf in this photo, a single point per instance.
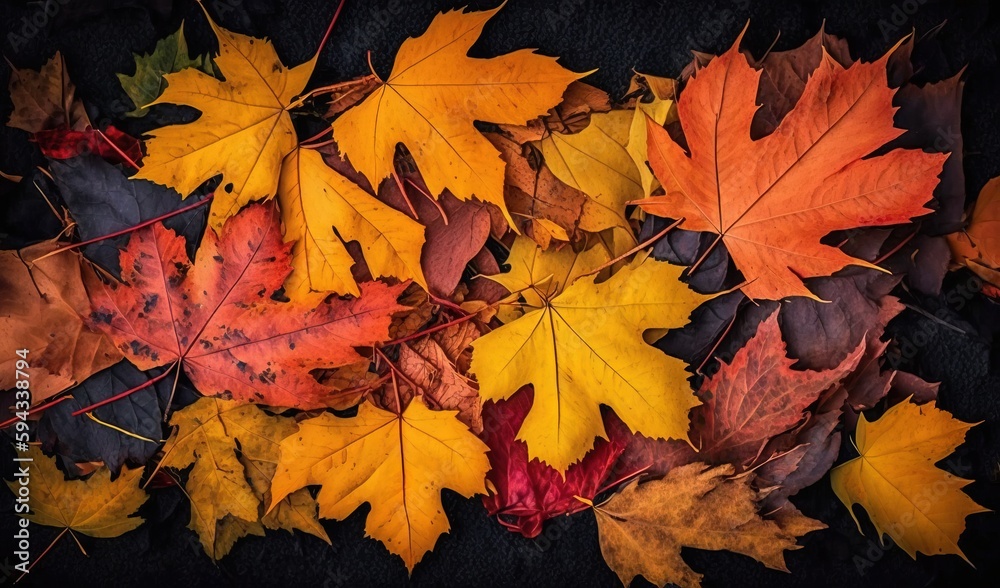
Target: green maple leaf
pixel 170 55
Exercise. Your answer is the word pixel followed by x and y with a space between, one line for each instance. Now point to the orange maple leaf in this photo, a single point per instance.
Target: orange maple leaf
pixel 217 318
pixel 771 200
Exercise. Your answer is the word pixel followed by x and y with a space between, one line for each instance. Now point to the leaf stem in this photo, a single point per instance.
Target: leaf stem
pixel 128 392
pixel 638 247
pixel 39 408
pixel 141 225
pixel 117 150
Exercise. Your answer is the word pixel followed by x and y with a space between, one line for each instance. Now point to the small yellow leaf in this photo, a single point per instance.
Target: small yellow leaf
pixel 398 464
pixel 537 273
pixel 596 162
pixel 97 506
pixel 920 506
pixel 226 488
pixel 322 210
pixel 431 99
pixel 660 111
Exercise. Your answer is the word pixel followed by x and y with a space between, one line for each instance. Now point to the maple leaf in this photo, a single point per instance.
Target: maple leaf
pixel 41 303
pixel 217 318
pixel 314 198
pixel 584 348
pixel 978 247
pixel 536 274
pixel 596 161
pixel 97 506
pixel 896 469
pixel 771 200
pixel 528 492
pixel 244 130
pixel 432 97
pixel 45 100
pixel 756 397
pixel 643 529
pixel 169 56
pixel 230 445
pixel 397 463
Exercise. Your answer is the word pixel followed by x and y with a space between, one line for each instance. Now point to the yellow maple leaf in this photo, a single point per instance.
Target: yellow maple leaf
pixel 226 488
pixel 313 198
pixel 643 529
pixel 97 506
pixel 661 109
pixel 244 130
pixel 537 273
pixel 431 99
pixel 398 464
pixel 920 506
pixel 597 162
pixel 584 348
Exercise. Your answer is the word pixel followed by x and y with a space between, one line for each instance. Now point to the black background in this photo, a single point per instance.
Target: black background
pixel 98 38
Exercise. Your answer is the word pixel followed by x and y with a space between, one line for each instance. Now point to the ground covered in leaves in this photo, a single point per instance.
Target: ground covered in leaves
pixel 196 309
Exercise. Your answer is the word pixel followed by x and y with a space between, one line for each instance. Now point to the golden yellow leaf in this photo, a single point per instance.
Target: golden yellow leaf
pixel 398 464
pixel 536 273
pixel 920 506
pixel 226 488
pixel 596 162
pixel 584 348
pixel 97 506
pixel 244 130
pixel 322 210
pixel 643 529
pixel 45 99
pixel 661 109
pixel 431 99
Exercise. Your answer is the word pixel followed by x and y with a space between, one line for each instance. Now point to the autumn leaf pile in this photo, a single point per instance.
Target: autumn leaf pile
pixel 486 276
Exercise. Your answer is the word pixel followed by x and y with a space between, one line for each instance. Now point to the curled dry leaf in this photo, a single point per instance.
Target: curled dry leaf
pixel 978 247
pixel 45 100
pixel 643 529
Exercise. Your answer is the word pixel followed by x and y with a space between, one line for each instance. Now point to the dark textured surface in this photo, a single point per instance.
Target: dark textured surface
pixel 98 37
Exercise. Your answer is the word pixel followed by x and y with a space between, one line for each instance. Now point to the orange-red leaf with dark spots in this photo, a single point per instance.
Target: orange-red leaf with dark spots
pixel 216 315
